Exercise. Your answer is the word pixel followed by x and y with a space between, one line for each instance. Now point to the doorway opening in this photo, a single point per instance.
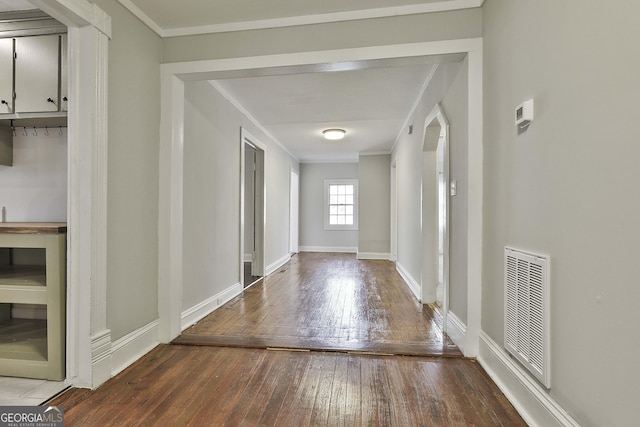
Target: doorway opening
pixel 435 212
pixel 294 205
pixel 252 210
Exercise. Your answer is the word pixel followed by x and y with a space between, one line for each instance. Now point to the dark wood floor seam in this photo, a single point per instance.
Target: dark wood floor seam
pixel 380 349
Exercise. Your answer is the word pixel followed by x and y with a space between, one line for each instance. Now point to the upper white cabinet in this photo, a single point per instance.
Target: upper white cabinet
pixel 6 73
pixel 37 74
pixel 33 74
pixel 64 84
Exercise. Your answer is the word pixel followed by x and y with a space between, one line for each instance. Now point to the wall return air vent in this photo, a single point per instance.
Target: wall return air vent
pixel 526 335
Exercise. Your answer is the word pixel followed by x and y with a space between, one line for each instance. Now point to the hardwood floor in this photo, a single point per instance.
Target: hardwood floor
pixel 211 386
pixel 233 374
pixel 330 302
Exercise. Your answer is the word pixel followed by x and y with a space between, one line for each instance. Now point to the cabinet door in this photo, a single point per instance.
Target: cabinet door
pixel 64 75
pixel 6 76
pixel 36 76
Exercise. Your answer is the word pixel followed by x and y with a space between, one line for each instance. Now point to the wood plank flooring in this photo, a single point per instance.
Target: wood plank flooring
pixel 229 377
pixel 329 302
pixel 211 386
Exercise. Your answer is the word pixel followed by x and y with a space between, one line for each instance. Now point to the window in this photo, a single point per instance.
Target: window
pixel 341 204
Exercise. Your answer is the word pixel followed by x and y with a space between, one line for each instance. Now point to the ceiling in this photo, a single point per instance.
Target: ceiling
pixel 371 103
pixel 9 5
pixel 370 100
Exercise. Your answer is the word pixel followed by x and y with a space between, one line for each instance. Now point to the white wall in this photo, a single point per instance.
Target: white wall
pixel 374 213
pixel 313 236
pixel 568 187
pixel 212 194
pixel 34 189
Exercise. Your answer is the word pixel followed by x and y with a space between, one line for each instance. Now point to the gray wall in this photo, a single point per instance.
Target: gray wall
pixel 211 254
pixel 408 157
pixel 568 187
pixel 134 120
pixel 370 32
pixel 312 232
pixel 374 193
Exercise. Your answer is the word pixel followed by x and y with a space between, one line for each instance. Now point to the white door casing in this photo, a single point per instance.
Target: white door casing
pixel 172 123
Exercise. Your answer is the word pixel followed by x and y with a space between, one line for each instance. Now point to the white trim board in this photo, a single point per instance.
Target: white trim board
pixel 290 21
pixel 277 264
pixel 133 346
pixel 192 315
pixel 373 255
pixel 329 249
pixel 89 29
pixel 457 330
pixel 170 218
pixel 530 399
pixel 412 283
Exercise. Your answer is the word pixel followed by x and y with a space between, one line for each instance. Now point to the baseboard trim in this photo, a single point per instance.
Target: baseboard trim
pixel 100 357
pixel 457 330
pixel 373 255
pixel 198 311
pixel 410 281
pixel 529 398
pixel 330 249
pixel 133 346
pixel 277 264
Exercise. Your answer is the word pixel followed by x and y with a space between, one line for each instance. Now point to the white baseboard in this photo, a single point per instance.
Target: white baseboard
pixel 410 281
pixel 531 400
pixel 133 346
pixel 198 311
pixel 456 329
pixel 277 264
pixel 333 249
pixel 373 255
pixel 100 357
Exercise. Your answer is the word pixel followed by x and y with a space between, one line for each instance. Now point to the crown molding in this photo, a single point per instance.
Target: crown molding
pixel 252 119
pixel 292 21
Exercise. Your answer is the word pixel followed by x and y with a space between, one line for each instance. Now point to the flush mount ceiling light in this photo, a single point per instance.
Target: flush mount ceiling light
pixel 334 134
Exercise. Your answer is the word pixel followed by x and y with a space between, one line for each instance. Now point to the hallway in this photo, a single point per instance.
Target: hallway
pixel 327 302
pixel 330 302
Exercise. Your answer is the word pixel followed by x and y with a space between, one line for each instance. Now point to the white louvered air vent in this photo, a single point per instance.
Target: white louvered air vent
pixel 526 336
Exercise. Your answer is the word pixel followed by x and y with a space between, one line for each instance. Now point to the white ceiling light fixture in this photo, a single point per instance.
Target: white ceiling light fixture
pixel 334 134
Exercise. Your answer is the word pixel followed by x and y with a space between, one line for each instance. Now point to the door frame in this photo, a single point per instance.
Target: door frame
pixel 173 76
pixel 260 197
pixel 294 211
pixel 432 145
pixel 88 347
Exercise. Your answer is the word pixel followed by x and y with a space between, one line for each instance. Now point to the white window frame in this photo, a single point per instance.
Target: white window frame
pixel 329 182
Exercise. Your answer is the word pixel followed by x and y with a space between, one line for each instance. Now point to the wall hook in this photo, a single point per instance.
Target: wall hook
pixel 60 131
pixel 24 131
pixel 35 131
pixel 46 131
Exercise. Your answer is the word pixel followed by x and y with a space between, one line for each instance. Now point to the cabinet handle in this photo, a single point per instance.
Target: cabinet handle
pixel 4 102
pixel 51 100
pixel 64 98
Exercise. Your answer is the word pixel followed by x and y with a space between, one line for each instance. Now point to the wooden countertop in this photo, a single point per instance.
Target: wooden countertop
pixel 33 227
